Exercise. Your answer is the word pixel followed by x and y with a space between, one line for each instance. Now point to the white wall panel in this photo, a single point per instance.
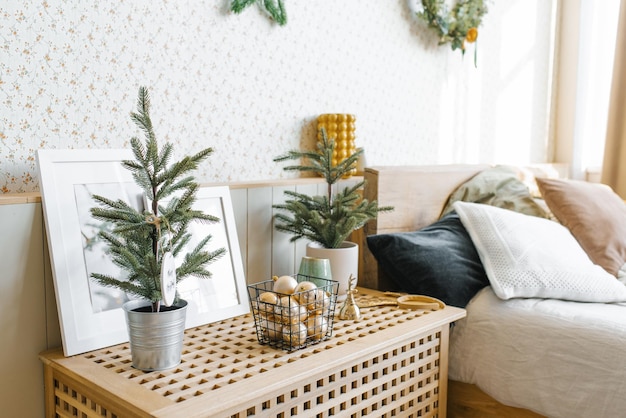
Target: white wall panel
pixel 239 199
pixel 23 310
pixel 283 251
pixel 259 239
pixel 300 245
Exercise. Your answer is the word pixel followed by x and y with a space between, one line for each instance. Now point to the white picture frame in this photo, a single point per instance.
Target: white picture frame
pixel 92 317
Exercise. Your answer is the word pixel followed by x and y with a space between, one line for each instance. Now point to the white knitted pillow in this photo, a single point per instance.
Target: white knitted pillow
pixel 530 257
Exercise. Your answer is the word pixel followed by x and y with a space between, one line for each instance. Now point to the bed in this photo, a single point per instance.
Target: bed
pixel 548 348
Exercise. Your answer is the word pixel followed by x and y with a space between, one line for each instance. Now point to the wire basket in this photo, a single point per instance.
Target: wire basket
pixel 295 321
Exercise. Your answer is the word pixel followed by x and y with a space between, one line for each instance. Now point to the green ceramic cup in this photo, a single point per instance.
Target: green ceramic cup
pixel 316 268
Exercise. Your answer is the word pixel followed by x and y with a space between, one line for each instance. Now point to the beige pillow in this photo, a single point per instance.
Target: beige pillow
pixel 594 214
pixel 497 186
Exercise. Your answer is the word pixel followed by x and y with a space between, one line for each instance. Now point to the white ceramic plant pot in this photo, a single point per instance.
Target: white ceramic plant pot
pixel 344 262
pixel 156 338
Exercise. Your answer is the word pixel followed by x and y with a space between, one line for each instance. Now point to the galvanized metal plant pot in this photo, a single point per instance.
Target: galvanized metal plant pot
pixel 156 338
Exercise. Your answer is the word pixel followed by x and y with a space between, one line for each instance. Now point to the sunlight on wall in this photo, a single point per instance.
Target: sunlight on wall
pixel 515 106
pixel 499 111
pixel 514 128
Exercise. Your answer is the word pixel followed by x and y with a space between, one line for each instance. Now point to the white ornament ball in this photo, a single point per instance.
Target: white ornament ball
pixel 271 330
pixel 285 284
pixel 305 286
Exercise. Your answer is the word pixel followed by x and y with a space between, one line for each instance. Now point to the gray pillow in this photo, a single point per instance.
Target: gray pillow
pixel 439 260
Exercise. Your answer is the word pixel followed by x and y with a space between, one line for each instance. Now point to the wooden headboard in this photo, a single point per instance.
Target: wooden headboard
pixel 418 195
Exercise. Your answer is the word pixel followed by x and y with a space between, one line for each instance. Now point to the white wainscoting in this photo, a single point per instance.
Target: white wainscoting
pixel 28 315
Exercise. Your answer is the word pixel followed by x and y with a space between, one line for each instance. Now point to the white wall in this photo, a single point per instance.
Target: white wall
pixel 70 70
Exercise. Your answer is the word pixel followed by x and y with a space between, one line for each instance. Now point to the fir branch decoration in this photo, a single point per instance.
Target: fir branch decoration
pixel 275 8
pixel 331 218
pixel 138 240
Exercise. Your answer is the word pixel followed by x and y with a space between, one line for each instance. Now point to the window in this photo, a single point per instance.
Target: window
pixel 596 49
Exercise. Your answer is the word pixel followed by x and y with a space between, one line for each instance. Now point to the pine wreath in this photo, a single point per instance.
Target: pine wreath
pixel 457 25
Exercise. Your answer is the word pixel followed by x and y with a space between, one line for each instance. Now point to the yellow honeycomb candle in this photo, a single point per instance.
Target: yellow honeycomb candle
pixel 341 128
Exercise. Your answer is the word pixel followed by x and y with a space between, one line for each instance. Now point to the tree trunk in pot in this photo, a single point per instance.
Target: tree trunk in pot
pixel 156 338
pixel 344 262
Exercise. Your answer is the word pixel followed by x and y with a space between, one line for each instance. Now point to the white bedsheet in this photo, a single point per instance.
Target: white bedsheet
pixel 557 358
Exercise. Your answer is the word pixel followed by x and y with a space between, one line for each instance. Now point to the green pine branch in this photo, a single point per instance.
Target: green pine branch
pixel 328 219
pixel 275 8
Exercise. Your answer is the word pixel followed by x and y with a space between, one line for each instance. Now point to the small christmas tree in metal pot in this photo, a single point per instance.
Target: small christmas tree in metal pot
pixel 145 244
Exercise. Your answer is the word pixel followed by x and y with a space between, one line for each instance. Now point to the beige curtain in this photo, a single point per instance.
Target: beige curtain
pixel 614 166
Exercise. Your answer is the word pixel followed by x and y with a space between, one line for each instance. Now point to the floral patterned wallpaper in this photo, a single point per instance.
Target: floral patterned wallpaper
pixel 70 71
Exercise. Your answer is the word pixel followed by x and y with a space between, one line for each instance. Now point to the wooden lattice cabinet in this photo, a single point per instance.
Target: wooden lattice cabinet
pixel 390 363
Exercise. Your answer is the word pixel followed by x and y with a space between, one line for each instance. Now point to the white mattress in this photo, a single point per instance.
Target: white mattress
pixel 557 358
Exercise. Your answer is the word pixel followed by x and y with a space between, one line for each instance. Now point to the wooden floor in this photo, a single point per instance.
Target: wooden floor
pixel 467 401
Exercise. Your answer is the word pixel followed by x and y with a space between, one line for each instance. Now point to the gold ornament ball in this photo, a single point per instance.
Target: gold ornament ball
pixel 316 326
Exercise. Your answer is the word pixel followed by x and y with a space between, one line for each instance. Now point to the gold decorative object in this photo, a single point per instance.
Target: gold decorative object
pixel 401 300
pixel 426 303
pixel 341 128
pixel 350 310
